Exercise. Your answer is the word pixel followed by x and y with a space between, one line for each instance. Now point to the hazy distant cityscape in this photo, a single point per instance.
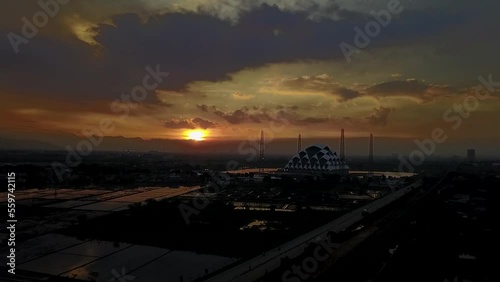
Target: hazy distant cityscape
pixel 170 217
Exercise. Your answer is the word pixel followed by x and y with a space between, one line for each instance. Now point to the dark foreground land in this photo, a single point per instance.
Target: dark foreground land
pixel 445 231
pixel 217 230
pixel 451 235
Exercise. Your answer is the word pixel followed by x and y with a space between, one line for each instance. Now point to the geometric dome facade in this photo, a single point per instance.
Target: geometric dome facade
pixel 317 158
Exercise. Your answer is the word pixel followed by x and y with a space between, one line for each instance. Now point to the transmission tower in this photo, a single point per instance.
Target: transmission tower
pixel 342 145
pixel 370 156
pixel 261 152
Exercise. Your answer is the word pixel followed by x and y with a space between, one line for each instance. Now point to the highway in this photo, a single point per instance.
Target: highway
pixel 259 266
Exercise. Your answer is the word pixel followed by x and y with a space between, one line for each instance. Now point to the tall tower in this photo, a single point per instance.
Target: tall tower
pixel 261 151
pixel 342 145
pixel 299 144
pixel 370 156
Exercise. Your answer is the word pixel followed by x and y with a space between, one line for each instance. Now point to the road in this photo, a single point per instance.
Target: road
pixel 259 266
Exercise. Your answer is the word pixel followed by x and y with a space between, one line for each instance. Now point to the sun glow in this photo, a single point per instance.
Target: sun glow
pixel 196 135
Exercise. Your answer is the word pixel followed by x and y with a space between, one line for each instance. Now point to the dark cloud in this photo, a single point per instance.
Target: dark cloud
pixel 379 116
pixel 411 88
pixel 347 94
pixel 189 123
pixel 241 116
pixel 260 114
pixel 312 9
pixel 257 114
pixel 203 123
pixel 202 107
pixel 179 124
pixel 320 84
pixel 190 46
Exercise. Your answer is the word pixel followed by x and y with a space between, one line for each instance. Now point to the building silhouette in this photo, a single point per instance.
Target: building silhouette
pixel 471 155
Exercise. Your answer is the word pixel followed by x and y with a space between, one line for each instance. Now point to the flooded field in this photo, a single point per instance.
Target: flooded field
pixel 95 260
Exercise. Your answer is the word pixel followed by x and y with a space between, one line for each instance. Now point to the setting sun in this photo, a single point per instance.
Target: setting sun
pixel 196 135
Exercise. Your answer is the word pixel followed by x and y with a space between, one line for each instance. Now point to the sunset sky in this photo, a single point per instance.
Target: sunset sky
pixel 237 66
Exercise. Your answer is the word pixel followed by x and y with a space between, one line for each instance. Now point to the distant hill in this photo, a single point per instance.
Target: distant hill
pixel 17 144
